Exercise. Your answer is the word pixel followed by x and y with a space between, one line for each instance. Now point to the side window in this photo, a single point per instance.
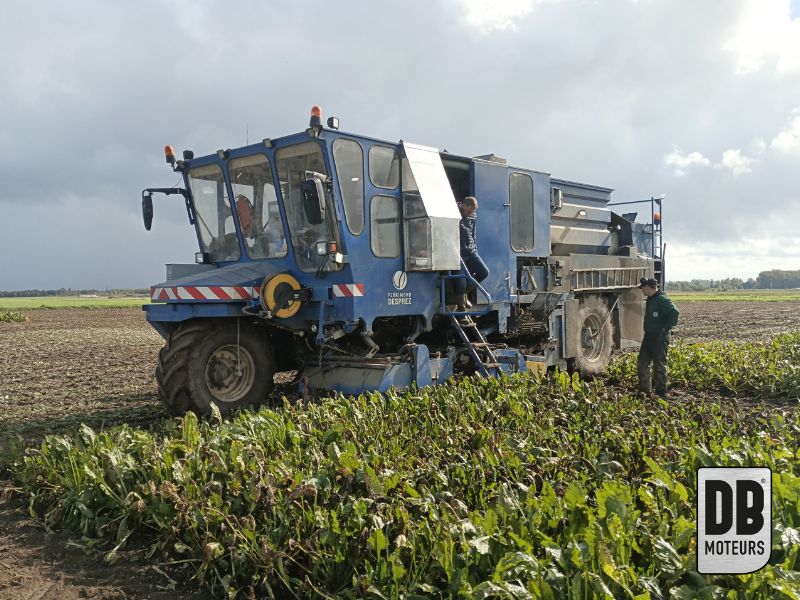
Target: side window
pixel 520 191
pixel 213 212
pixel 257 207
pixel 384 167
pixel 291 164
pixel 349 159
pixel 384 218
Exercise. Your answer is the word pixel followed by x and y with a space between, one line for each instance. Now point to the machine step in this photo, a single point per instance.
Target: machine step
pixel 476 347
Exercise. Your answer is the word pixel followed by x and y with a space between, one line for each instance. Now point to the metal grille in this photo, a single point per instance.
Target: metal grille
pixel 606 278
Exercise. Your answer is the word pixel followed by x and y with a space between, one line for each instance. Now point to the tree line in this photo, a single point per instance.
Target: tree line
pixel 71 292
pixel 766 280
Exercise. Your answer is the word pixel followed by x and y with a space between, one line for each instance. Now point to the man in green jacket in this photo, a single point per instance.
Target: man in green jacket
pixel 660 316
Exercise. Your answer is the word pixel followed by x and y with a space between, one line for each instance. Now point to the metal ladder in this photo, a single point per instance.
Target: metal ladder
pixel 479 349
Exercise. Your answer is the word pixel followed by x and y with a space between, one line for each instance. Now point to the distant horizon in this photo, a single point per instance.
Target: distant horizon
pixel 147 287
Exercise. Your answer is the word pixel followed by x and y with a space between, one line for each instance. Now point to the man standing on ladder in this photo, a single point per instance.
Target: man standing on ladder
pixel 660 316
pixel 469 249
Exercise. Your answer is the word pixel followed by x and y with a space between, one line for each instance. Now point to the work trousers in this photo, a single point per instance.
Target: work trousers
pixel 653 351
pixel 477 268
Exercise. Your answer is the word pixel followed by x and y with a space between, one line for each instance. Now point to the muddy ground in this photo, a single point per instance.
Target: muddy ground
pixel 64 367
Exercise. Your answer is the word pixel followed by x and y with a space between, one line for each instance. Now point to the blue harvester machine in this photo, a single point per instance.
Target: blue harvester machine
pixel 336 255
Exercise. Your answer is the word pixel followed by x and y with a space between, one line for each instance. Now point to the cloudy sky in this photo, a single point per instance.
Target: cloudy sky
pixel 695 99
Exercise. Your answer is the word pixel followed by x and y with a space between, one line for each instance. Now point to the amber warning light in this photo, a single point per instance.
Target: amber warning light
pixel 316 117
pixel 169 154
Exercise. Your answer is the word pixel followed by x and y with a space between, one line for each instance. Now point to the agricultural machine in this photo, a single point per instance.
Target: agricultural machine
pixel 337 256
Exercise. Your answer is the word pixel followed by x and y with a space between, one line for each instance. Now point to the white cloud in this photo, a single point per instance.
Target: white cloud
pixel 682 161
pixel 489 15
pixel 736 162
pixel 788 140
pixel 732 159
pixel 766 34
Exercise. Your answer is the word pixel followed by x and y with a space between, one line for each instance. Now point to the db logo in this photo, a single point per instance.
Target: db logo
pixel 734 519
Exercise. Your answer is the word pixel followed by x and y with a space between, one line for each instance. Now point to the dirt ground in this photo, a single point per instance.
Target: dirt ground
pixel 739 321
pixel 64 367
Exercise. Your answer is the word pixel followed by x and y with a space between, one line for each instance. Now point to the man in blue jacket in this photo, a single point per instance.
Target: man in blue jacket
pixel 469 247
pixel 660 316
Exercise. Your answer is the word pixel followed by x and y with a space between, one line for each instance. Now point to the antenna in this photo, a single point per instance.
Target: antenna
pixel 247 134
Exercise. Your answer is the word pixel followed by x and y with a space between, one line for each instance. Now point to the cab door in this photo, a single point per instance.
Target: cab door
pixel 490 188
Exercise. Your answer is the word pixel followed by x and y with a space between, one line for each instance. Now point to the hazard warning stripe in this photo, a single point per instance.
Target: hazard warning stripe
pixel 348 290
pixel 214 292
pixel 219 292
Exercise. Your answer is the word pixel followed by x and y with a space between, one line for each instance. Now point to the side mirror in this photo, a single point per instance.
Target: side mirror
pixel 147 210
pixel 313 200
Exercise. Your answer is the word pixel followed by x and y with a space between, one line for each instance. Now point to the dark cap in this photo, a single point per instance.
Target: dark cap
pixel 648 281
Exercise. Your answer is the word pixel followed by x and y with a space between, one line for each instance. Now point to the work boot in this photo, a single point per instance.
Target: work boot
pixel 462 301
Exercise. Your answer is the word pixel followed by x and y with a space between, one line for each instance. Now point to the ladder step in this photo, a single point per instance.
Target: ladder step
pixel 480 344
pixel 492 365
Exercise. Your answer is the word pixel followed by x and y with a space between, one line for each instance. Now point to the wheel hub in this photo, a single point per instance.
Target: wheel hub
pixel 589 333
pixel 230 373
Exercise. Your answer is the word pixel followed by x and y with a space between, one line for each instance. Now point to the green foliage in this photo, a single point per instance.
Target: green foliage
pixel 50 302
pixel 718 295
pixel 755 369
pixel 12 317
pixel 774 279
pixel 514 488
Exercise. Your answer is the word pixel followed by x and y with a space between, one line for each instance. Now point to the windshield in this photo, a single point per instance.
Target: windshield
pixel 292 163
pixel 257 207
pixel 213 212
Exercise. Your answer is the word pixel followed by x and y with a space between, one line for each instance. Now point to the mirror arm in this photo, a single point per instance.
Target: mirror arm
pixel 165 191
pixel 147 203
pixel 321 177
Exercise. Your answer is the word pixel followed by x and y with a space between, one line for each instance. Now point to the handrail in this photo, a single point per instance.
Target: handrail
pixel 474 282
pixel 464 272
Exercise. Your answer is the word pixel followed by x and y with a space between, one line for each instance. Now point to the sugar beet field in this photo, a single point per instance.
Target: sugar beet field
pixel 521 488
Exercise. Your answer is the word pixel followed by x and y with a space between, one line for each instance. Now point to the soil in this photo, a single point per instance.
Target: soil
pixel 736 321
pixel 64 367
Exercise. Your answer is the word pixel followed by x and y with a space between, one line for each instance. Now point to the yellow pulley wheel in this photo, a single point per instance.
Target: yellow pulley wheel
pixel 276 295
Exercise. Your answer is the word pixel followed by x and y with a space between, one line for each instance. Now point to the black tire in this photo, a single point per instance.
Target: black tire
pixel 595 336
pixel 197 367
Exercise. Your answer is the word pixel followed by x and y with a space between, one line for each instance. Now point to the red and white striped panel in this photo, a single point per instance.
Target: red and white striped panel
pixel 211 292
pixel 348 290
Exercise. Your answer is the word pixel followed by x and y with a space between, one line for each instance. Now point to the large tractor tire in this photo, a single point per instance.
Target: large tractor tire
pixel 214 362
pixel 595 336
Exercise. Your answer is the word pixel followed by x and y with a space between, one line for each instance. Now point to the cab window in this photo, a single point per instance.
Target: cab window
pixel 349 160
pixel 293 163
pixel 384 217
pixel 384 167
pixel 520 190
pixel 257 207
pixel 213 213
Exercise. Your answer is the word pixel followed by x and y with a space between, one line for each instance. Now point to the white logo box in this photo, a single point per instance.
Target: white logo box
pixel 734 519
